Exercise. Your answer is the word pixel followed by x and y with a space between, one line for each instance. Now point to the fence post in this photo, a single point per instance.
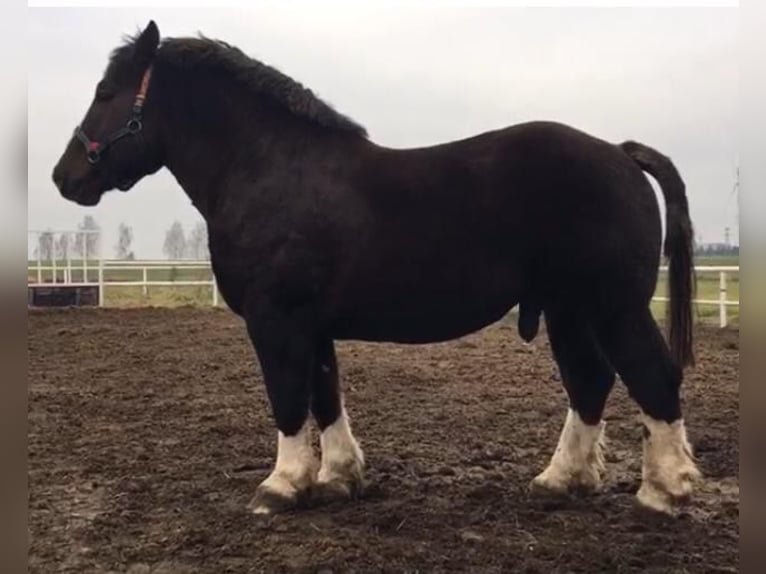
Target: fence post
pixel 68 273
pixel 722 299
pixel 39 262
pixel 100 281
pixel 215 292
pixel 84 254
pixel 55 270
pixel 144 288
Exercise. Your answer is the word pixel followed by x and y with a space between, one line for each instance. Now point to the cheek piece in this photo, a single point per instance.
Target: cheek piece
pixel 95 149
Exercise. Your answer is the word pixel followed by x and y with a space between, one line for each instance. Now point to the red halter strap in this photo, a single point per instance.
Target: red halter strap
pixel 94 149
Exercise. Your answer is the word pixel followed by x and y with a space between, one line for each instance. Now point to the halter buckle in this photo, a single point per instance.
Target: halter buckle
pixel 135 125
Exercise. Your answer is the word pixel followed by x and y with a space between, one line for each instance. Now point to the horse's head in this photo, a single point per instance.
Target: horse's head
pixel 118 141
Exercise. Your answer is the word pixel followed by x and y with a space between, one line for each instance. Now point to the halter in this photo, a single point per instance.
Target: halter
pixel 95 149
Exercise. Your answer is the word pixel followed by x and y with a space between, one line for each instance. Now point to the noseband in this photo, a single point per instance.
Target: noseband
pixel 95 149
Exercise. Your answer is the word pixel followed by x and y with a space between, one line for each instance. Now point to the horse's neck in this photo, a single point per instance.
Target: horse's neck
pixel 196 167
pixel 203 157
pixel 240 140
pixel 206 167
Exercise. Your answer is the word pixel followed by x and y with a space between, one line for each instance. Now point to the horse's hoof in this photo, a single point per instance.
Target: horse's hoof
pixel 548 483
pixel 336 490
pixel 267 501
pixel 669 472
pixel 545 484
pixel 654 499
pixel 666 499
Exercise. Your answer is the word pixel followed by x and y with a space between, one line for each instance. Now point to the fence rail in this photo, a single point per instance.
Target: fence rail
pixel 106 267
pixel 63 273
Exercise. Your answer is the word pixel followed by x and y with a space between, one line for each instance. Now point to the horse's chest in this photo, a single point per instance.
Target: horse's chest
pixel 285 273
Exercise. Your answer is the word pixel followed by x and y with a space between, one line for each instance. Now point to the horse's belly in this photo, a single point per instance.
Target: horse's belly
pixel 420 320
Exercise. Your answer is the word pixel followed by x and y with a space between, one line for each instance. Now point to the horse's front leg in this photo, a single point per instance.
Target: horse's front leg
pixel 342 472
pixel 285 347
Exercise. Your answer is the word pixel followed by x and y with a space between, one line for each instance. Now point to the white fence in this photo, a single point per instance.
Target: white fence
pixel 70 258
pixel 45 274
pixel 723 302
pixel 100 273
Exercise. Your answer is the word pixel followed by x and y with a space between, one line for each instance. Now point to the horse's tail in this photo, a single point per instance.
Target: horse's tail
pixel 679 247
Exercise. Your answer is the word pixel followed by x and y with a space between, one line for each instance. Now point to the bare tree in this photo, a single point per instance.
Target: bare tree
pixel 62 250
pixel 175 241
pixel 124 241
pixel 45 246
pixel 88 244
pixel 197 243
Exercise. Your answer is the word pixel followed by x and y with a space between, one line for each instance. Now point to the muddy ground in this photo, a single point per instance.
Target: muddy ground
pixel 149 431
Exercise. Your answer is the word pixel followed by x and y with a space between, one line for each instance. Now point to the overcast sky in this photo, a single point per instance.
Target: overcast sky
pixel 414 77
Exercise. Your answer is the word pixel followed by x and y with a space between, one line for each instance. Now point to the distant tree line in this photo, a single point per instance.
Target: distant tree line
pixel 179 245
pixel 716 249
pixel 194 245
pixel 78 245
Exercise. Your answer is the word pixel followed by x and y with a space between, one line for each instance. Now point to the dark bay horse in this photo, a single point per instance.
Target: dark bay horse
pixel 318 234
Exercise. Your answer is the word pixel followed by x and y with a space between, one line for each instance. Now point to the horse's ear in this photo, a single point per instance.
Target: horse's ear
pixel 146 44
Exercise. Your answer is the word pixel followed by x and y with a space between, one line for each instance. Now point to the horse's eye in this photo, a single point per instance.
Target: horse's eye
pixel 103 93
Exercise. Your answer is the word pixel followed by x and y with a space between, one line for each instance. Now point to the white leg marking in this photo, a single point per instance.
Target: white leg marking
pixel 295 469
pixel 342 459
pixel 668 466
pixel 578 460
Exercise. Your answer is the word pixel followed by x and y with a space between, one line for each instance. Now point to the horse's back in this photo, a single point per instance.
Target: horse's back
pixel 537 207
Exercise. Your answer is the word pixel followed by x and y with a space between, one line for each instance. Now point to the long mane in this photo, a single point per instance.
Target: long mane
pixel 262 80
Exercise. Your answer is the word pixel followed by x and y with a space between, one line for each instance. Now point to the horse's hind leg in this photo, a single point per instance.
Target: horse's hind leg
pixel 636 348
pixel 342 470
pixel 577 463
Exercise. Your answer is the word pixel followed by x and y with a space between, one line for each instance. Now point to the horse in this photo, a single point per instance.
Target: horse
pixel 318 234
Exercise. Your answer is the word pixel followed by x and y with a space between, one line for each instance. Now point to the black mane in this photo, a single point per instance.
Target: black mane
pixel 261 79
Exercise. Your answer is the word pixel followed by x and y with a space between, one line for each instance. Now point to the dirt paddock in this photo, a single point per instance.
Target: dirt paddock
pixel 149 431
